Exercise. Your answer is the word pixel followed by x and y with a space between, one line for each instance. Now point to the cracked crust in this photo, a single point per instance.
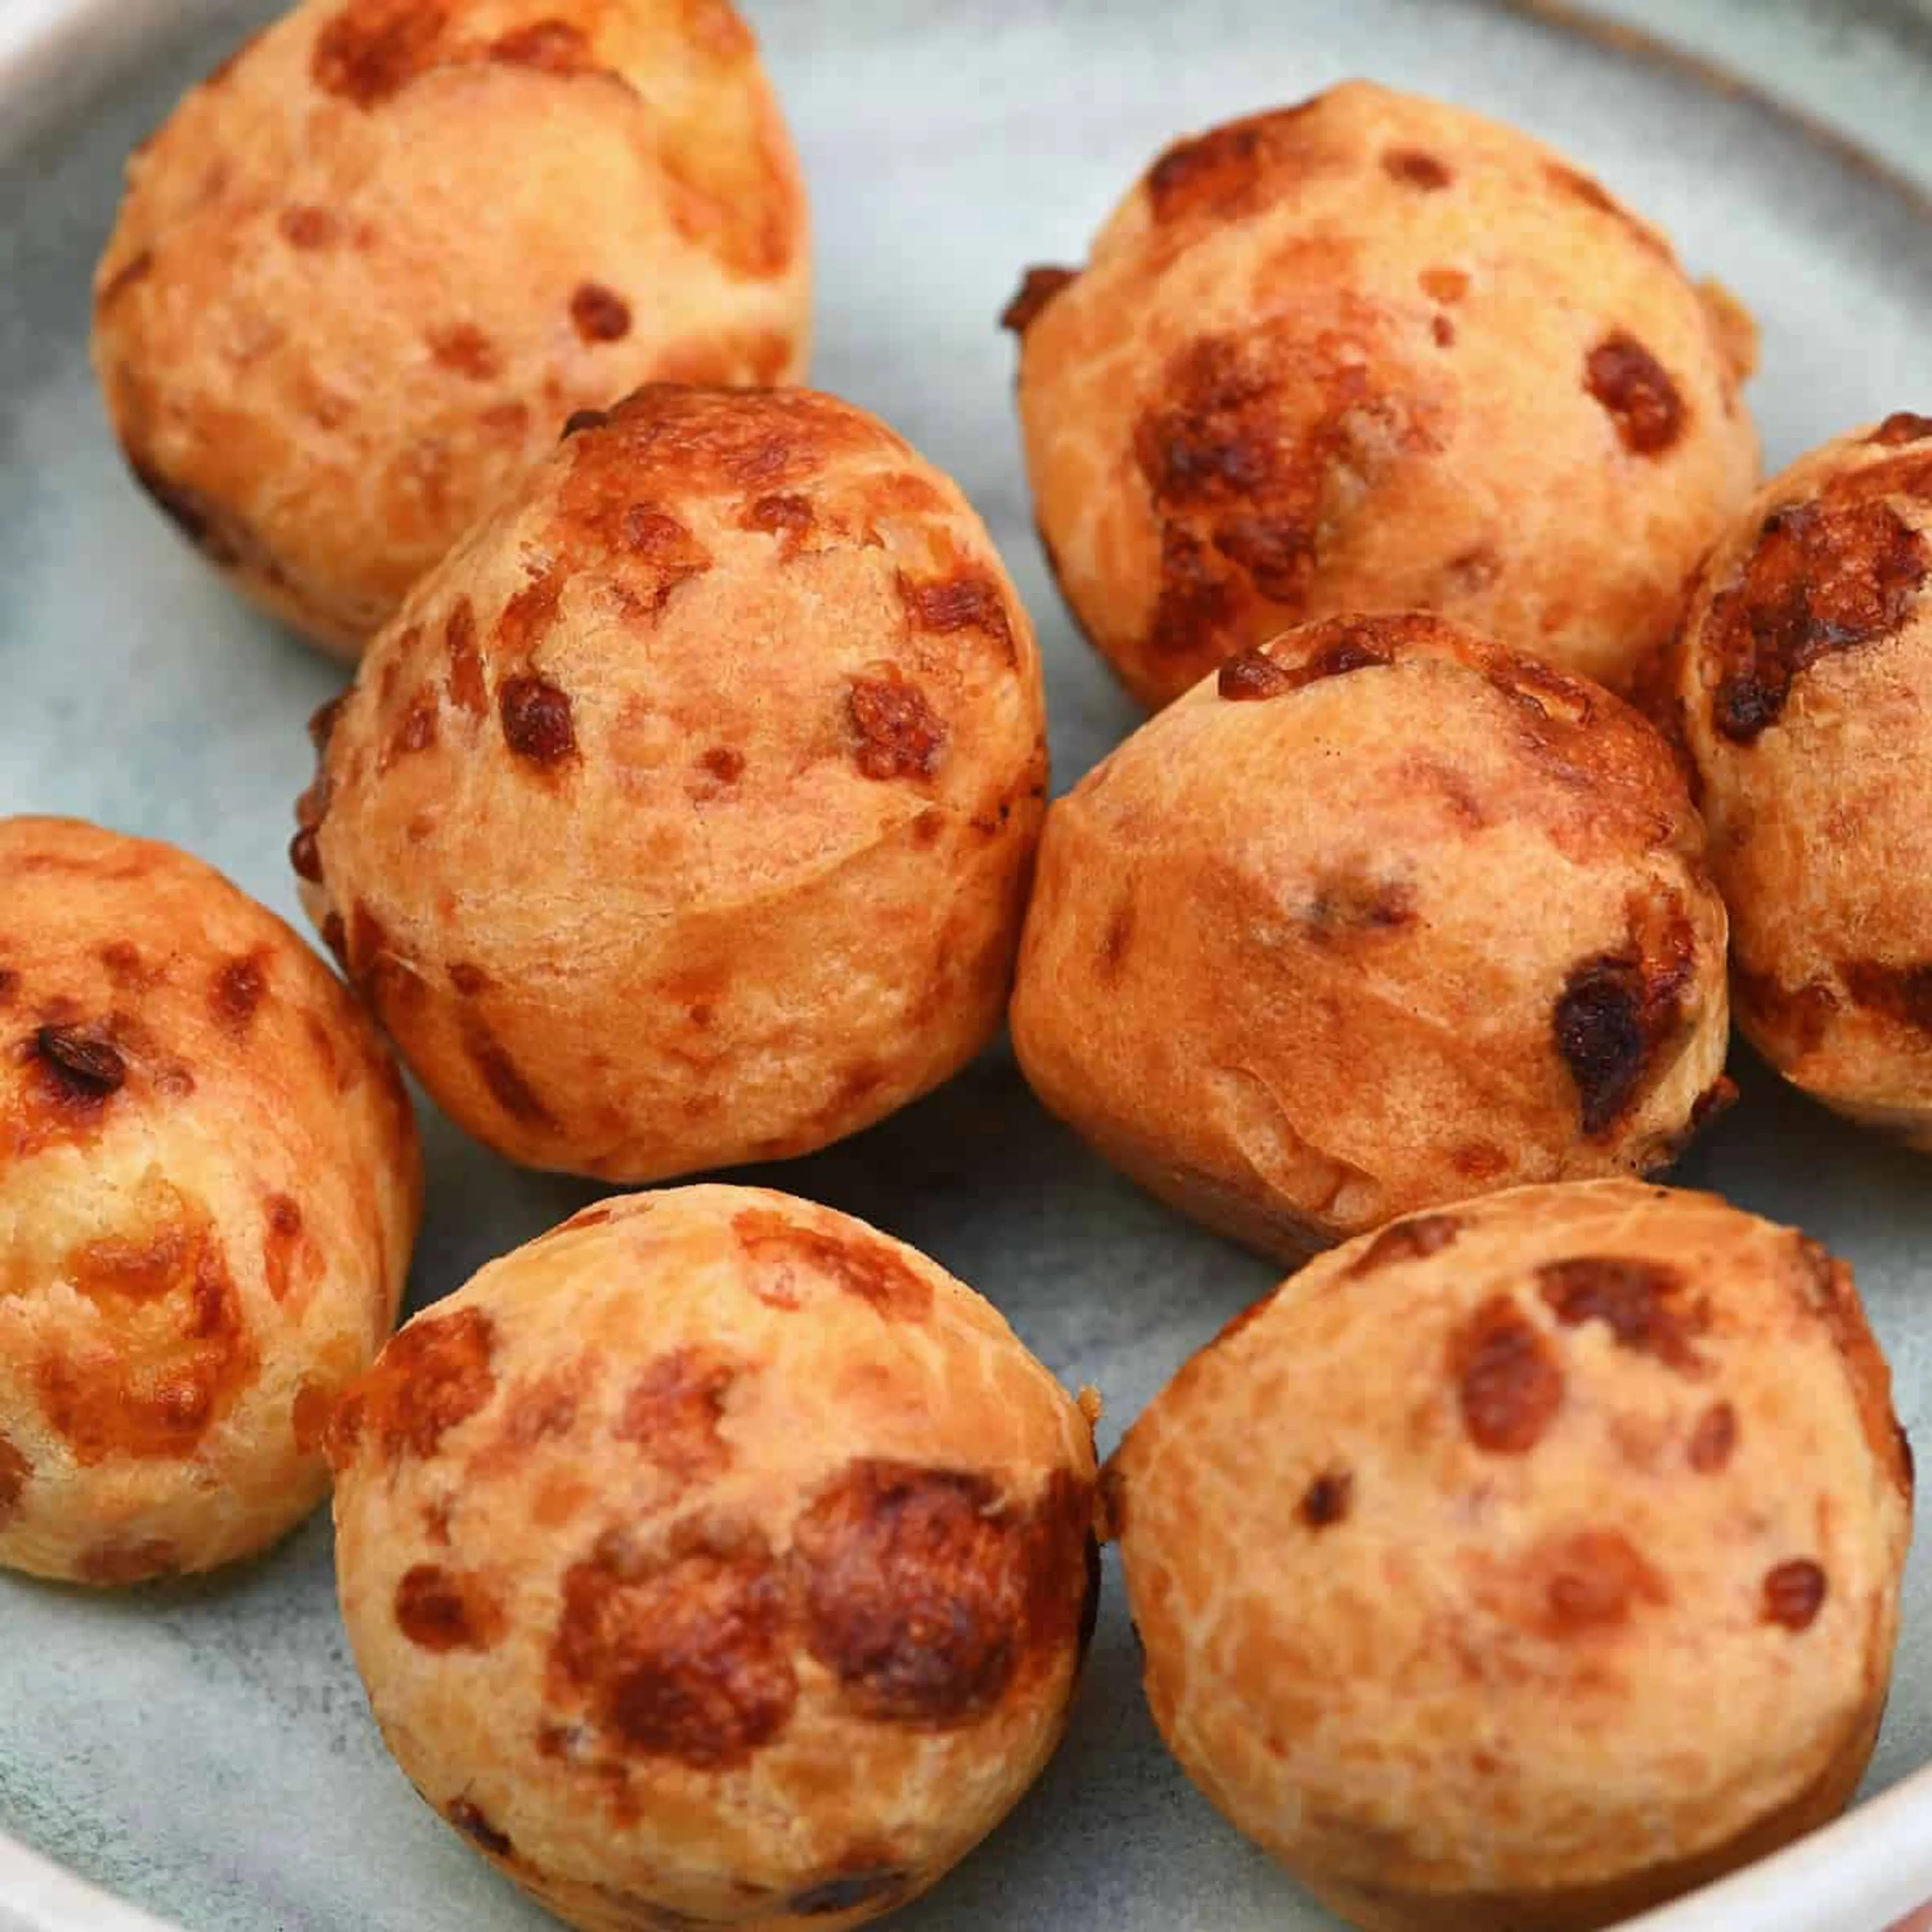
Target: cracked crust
pixel 1378 917
pixel 755 666
pixel 366 270
pixel 1797 687
pixel 1314 365
pixel 1610 1607
pixel 715 1559
pixel 209 1186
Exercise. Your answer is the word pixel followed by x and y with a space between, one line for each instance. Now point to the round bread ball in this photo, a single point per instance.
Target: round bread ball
pixel 367 269
pixel 1527 1564
pixel 715 1560
pixel 1802 681
pixel 209 1186
pixel 1373 352
pixel 684 815
pixel 1379 917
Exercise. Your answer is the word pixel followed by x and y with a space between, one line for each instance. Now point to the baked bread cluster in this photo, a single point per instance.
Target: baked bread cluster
pixel 1375 353
pixel 1526 1563
pixel 684 815
pixel 715 1560
pixel 366 270
pixel 1376 916
pixel 209 1185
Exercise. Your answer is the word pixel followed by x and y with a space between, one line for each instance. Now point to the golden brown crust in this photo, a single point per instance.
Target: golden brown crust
pixel 755 666
pixel 715 1555
pixel 366 270
pixel 1379 917
pixel 1313 365
pixel 209 1185
pixel 1797 685
pixel 1547 1673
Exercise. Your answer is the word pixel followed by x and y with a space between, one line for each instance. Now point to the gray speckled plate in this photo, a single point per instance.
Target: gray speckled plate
pixel 203 1748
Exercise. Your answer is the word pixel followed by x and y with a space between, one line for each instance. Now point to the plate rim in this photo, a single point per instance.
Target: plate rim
pixel 1825 1881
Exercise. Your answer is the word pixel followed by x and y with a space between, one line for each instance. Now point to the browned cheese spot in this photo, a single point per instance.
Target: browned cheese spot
pixel 433 1375
pixel 1442 330
pixel 283 1231
pixel 463 348
pixel 1903 993
pixel 1420 1236
pixel 1644 1304
pixel 506 1082
pixel 1037 288
pixel 1349 906
pixel 551 47
pixel 1617 1010
pixel 477 1827
pixel 439 1609
pixel 536 720
pixel 673 1409
pixel 1326 1501
pixel 1902 427
pixel 78 1066
pixel 1794 1593
pixel 969 600
pixel 1255 451
pixel 239 988
pixel 683 1652
pixel 308 1416
pixel 183 1354
pixel 16 1471
pixel 1713 1439
pixel 1507 1381
pixel 859 1264
pixel 306 227
pixel 1637 391
pixel 724 764
pixel 416 729
pixel 373 49
pixel 600 314
pixel 1257 674
pixel 897 732
pixel 1826 576
pixel 1593 1579
pixel 926 1594
pixel 1414 168
pixel 466 689
pixel 782 515
pixel 1224 172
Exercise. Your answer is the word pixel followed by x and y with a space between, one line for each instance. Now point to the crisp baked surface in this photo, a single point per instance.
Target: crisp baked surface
pixel 714 1554
pixel 684 814
pixel 1379 917
pixel 1801 683
pixel 1374 352
pixel 365 272
pixel 1522 1563
pixel 209 1185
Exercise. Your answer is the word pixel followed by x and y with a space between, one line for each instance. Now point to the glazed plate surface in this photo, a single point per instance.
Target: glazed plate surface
pixel 201 1751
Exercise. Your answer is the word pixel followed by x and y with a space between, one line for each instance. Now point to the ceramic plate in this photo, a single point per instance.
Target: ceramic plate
pixel 202 1749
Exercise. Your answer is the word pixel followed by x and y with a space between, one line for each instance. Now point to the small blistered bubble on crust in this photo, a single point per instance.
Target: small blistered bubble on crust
pixel 756 668
pixel 1254 405
pixel 661 1513
pixel 1437 1648
pixel 209 1220
pixel 1335 1035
